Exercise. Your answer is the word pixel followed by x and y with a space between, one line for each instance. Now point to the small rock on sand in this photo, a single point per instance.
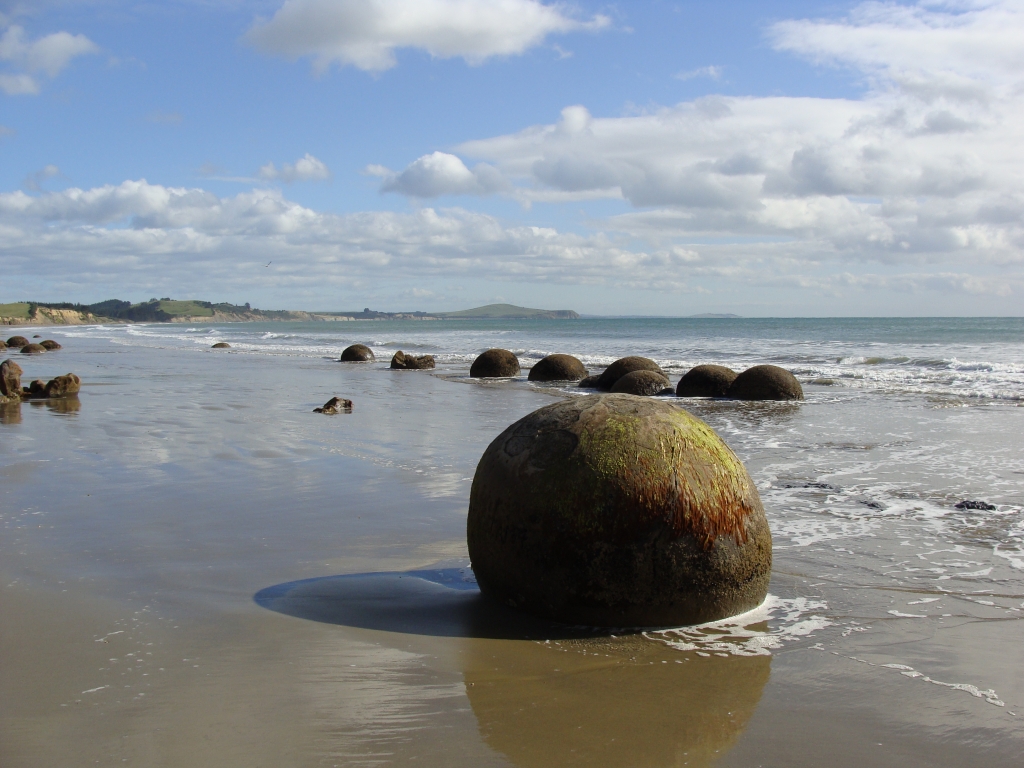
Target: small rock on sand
pixel 335 405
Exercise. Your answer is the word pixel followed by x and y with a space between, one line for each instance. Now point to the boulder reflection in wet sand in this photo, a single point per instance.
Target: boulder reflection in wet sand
pixel 546 694
pixel 626 702
pixel 70 404
pixel 10 413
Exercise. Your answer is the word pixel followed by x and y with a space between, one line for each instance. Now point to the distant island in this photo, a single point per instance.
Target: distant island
pixel 169 310
pixel 711 315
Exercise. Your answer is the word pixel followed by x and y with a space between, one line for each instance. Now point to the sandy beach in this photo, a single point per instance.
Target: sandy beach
pixel 198 570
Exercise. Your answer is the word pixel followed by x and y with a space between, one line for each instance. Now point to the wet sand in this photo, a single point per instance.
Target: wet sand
pixel 197 570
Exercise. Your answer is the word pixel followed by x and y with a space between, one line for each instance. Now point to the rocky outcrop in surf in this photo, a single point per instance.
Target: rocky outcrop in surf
pixel 402 361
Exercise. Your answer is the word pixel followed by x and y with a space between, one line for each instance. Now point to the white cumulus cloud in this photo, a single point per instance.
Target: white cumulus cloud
pixel 121 235
pixel 307 168
pixel 439 174
pixel 924 168
pixel 366 33
pixel 26 58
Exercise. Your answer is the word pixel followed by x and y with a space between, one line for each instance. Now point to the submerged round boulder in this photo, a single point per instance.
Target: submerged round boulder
pixel 642 383
pixel 221 345
pixel 50 345
pixel 17 342
pixel 625 365
pixel 706 381
pixel 495 364
pixel 558 368
pixel 357 353
pixel 32 349
pixel 613 510
pixel 766 382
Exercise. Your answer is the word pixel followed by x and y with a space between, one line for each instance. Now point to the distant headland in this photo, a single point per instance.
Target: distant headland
pixel 169 310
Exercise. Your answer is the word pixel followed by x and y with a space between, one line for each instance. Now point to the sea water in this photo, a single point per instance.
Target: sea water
pixel 201 569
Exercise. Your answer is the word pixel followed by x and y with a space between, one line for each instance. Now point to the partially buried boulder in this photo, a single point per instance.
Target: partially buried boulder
pixel 221 345
pixel 495 364
pixel 32 349
pixel 49 345
pixel 63 386
pixel 17 342
pixel 3 345
pixel 335 405
pixel 357 353
pixel 406 362
pixel 625 365
pixel 611 510
pixel 766 382
pixel 706 381
pixel 10 379
pixel 558 368
pixel 642 383
pixel 590 382
pixel 36 389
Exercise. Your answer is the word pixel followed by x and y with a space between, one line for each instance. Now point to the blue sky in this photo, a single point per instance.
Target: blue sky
pixel 643 158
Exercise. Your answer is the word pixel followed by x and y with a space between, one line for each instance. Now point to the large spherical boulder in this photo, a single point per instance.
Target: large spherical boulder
pixel 10 379
pixel 706 381
pixel 612 510
pixel 625 365
pixel 766 382
pixel 357 353
pixel 406 362
pixel 32 349
pixel 495 364
pixel 50 345
pixel 17 342
pixel 63 386
pixel 558 368
pixel 645 383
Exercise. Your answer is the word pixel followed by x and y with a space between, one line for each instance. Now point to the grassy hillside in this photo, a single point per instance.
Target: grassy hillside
pixel 508 311
pixel 184 308
pixel 20 310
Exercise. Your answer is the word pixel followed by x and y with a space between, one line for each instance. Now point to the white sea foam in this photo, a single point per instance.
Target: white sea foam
pixel 755 633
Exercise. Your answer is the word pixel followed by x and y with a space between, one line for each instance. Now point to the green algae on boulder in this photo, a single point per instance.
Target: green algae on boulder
pixel 615 510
